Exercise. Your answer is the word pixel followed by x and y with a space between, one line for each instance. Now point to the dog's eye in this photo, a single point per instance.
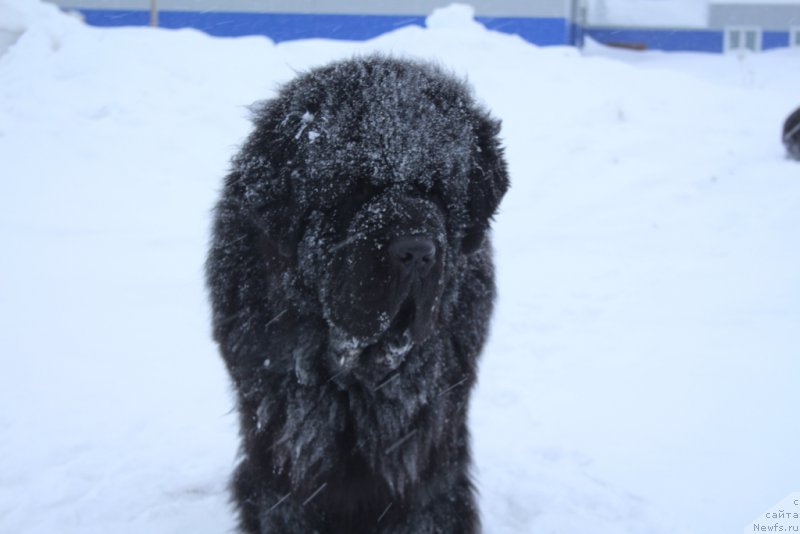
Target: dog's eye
pixel 365 190
pixel 422 190
pixel 355 198
pixel 434 194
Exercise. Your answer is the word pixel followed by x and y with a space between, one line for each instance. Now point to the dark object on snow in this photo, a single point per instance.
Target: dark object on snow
pixel 351 281
pixel 791 134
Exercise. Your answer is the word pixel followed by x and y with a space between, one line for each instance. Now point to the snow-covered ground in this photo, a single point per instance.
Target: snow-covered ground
pixel 643 373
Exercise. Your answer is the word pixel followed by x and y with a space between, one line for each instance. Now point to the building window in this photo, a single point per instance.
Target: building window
pixel 794 37
pixel 739 38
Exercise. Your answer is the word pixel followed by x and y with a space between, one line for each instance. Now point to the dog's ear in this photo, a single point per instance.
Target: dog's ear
pixel 488 181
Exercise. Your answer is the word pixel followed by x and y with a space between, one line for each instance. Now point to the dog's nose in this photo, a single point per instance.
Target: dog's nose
pixel 412 254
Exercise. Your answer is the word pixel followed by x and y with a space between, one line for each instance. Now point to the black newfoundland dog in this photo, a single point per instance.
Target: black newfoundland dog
pixel 791 134
pixel 351 282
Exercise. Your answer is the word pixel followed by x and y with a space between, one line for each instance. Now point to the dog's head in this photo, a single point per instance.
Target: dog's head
pixel 371 182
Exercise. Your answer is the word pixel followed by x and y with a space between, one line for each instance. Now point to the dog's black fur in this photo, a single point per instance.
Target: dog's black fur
pixel 351 282
pixel 791 134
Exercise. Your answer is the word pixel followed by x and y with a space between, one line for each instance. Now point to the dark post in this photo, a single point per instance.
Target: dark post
pixel 154 13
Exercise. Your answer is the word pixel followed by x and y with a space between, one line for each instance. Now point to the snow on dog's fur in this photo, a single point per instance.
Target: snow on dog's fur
pixel 351 281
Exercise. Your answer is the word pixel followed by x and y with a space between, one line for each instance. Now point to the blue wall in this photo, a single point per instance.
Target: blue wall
pixel 287 26
pixel 774 40
pixel 539 31
pixel 108 17
pixel 673 40
pixel 679 40
pixel 276 26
